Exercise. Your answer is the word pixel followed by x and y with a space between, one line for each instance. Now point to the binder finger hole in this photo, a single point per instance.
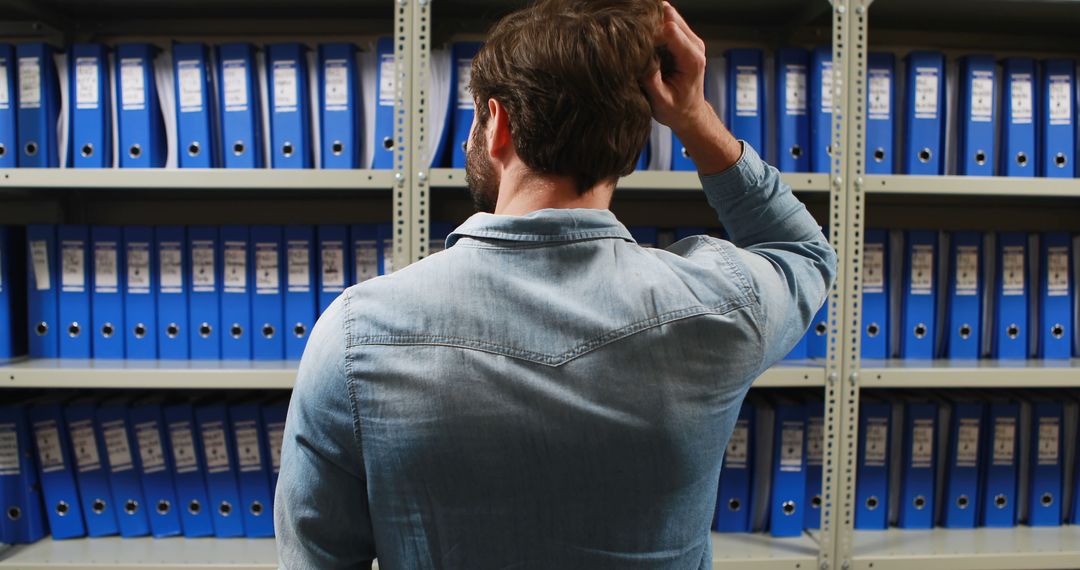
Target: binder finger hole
pixel 131 506
pixel 1046 500
pixel 256 508
pixel 299 330
pixel 1013 331
pixel 3 150
pixel 238 148
pixel 74 330
pixel 98 506
pixel 965 332
pixel 815 502
pixel 388 144
pixel 872 330
pixel 879 155
pixel 135 151
pixel 1058 331
pixel 788 508
pixel 872 503
pixel 140 330
pixel 1021 158
pixel 734 505
pixel 236 331
pixel 193 149
pixel 1000 501
pixel 962 502
pixel 107 330
pixel 31 149
pixel 980 157
pixel 820 329
pixel 173 330
pixel 828 150
pixel 41 329
pixel 684 153
pixel 925 155
pixel 14 513
pixel 163 507
pixel 1060 160
pixel 919 502
pixel 920 330
pixel 268 330
pixel 87 150
pixel 225 508
pixel 194 507
pixel 62 508
pixel 796 151
pixel 205 329
pixel 337 148
pixel 287 149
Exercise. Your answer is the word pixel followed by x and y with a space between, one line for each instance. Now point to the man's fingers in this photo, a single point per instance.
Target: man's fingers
pixel 655 88
pixel 688 55
pixel 673 15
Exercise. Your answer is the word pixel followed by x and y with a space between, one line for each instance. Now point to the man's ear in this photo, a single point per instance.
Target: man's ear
pixel 498 129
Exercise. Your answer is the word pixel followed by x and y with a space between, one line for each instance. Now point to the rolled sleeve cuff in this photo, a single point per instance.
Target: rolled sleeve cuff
pixel 747 173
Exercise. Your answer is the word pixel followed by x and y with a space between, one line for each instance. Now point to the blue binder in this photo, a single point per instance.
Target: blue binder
pixel 366 250
pixel 20 492
pixel 880 112
pixel 799 351
pixel 212 419
pixel 1017 156
pixel 1055 296
pixel 333 268
pixel 385 233
pixel 1010 340
pixel 821 106
pixel 192 501
pixel 204 297
pixel 872 471
pixel 267 301
pixel 793 125
pixel 961 493
pixel 918 466
pixel 236 293
pixel 12 292
pixel 978 115
pixel 461 118
pixel 1057 119
pixel 253 468
pixel 963 318
pixel 8 103
pixel 141 126
pixel 384 105
pixel 239 105
pixel 733 499
pixel 107 296
pixel 339 107
pixel 172 293
pixel 290 111
pixel 56 470
pixel 919 301
pixel 91 468
pixel 924 114
pixel 680 158
pixel 437 238
pixel 875 294
pixel 1000 470
pixel 90 102
pixel 644 236
pixel 39 106
pixel 155 462
pixel 300 294
pixel 195 98
pixel 1045 476
pixel 41 291
pixel 273 416
pixel 124 467
pixel 815 460
pixel 74 296
pixel 746 97
pixel 140 307
pixel 786 503
pixel 817 337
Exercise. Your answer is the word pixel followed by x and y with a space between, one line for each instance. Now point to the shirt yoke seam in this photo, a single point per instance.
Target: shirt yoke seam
pixel 350 383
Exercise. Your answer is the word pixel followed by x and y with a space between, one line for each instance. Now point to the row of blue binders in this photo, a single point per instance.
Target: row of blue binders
pixel 139 466
pixel 233 105
pixel 231 292
pixel 967 295
pixel 967 459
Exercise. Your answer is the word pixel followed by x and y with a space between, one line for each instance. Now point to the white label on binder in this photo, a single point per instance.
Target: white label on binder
pixel 84 446
pixel 367 261
pixel 1022 104
pixel 922 269
pixel 388 259
pixel 982 96
pixel 967 442
pixel 1049 438
pixel 1004 441
pixel 922 443
pixel 202 266
pixel 336 85
pixel 217 457
pixel 275 435
pixel 138 267
pixel 170 262
pixel 791 446
pixel 117 446
pixel 386 80
pixel 826 87
pixel 72 266
pixel 795 90
pixel 1012 270
pixel 333 262
pixel 132 84
pixel 815 440
pixel 1057 271
pixel 926 92
pixel 266 268
pixel 880 100
pixel 39 254
pixel 9 450
pixel 190 82
pixel 87 86
pixel 106 272
pixel 183 447
pixel 29 83
pixel 873 268
pixel 1060 95
pixel 5 96
pixel 299 260
pixel 967 270
pixel 234 81
pixel 285 86
pixel 464 94
pixel 738 448
pixel 48 445
pixel 746 91
pixel 235 267
pixel 150 450
pixel 247 447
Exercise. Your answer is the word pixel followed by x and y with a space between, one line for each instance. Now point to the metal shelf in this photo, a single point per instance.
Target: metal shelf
pixel 763 552
pixel 144 179
pixel 652 180
pixel 1017 548
pixel 987 186
pixel 970 374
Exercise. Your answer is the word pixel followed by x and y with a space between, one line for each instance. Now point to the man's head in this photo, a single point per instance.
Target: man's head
pixel 566 74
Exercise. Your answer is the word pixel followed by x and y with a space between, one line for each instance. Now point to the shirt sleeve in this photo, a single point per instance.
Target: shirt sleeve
pixel 786 259
pixel 321 513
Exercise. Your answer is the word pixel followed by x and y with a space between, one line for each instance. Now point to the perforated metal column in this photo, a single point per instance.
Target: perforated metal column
pixel 404 48
pixel 421 71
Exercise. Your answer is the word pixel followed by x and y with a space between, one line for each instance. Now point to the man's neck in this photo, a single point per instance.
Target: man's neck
pixel 522 193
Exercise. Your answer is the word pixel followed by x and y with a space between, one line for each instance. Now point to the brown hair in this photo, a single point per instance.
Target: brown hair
pixel 568 73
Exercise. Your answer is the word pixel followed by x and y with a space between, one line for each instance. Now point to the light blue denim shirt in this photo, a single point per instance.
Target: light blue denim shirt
pixel 545 393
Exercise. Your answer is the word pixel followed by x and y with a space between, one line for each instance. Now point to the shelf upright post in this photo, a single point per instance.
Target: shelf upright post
pixel 404 222
pixel 420 44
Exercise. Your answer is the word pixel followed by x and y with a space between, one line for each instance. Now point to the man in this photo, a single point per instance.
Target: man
pixel 546 393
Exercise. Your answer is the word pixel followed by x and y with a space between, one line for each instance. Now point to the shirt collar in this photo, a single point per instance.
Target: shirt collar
pixel 550 225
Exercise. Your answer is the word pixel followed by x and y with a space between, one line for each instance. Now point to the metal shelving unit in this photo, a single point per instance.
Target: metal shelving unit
pixel 651 180
pixel 1017 548
pixel 151 179
pixel 973 374
pixel 973 186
